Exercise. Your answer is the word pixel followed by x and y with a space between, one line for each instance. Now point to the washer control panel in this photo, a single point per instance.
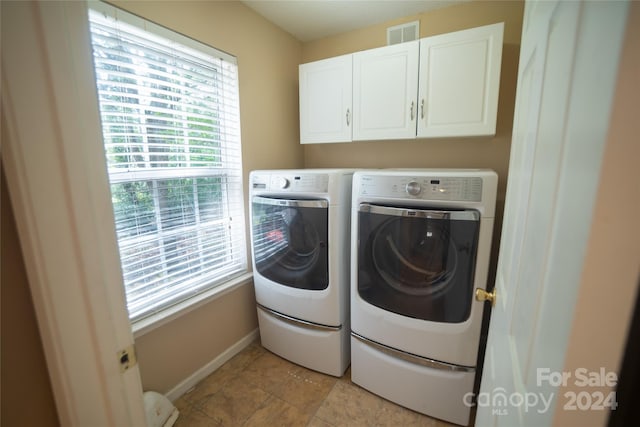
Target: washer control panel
pixel 413 188
pixel 467 189
pixel 286 183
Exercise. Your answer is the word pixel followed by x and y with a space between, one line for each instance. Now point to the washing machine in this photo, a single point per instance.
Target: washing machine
pixel 420 247
pixel 300 233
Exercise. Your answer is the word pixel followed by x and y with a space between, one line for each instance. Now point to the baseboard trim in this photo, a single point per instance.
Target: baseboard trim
pixel 190 382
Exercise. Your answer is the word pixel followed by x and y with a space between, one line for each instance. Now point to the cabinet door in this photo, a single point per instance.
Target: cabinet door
pixel 459 82
pixel 325 100
pixel 385 85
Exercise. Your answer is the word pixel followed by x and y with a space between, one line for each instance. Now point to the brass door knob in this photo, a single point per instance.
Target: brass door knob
pixel 482 295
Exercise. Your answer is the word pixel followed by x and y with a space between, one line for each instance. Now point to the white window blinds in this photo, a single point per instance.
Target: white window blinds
pixel 171 127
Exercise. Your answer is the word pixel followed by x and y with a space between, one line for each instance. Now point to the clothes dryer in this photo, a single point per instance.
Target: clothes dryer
pixel 300 244
pixel 420 248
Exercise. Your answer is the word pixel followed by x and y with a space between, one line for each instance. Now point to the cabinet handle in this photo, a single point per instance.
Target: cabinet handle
pixel 411 110
pixel 347 117
pixel 422 109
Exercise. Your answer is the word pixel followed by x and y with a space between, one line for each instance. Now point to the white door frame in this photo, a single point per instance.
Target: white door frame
pixel 58 185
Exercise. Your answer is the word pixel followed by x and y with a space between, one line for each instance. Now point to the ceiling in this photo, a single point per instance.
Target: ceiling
pixel 309 20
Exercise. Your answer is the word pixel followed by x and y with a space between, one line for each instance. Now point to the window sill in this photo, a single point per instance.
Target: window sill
pixel 150 323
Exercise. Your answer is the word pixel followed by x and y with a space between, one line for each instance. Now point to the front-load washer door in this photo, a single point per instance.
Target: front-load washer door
pixel 290 241
pixel 418 263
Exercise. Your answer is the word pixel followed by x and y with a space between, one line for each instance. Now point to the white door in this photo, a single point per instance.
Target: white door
pixel 385 91
pixel 568 63
pixel 58 185
pixel 459 82
pixel 325 100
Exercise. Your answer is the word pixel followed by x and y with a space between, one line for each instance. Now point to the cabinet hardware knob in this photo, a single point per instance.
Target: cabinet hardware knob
pixel 422 109
pixel 347 117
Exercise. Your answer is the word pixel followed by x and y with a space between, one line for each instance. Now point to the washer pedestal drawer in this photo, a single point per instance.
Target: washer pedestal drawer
pixel 322 349
pixel 434 392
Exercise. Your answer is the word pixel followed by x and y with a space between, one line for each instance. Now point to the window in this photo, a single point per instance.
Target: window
pixel 171 130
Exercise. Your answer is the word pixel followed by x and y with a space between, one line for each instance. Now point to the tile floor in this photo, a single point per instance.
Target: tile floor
pixel 258 388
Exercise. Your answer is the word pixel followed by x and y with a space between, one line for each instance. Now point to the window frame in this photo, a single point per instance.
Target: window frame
pixel 242 275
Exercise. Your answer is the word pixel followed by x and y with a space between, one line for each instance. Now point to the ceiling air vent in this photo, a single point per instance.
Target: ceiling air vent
pixel 403 33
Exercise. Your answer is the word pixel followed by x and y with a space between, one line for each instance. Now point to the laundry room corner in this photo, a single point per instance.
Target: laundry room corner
pixel 490 152
pixel 268 58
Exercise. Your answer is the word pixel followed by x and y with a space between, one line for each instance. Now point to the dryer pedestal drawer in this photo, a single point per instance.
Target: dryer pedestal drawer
pixel 434 392
pixel 322 349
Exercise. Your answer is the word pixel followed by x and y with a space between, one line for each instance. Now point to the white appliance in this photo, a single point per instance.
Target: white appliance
pixel 300 245
pixel 420 247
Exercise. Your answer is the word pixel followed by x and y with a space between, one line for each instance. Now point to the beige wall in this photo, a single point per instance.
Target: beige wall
pixel 479 152
pixel 171 353
pixel 610 276
pixel 27 397
pixel 439 21
pixel 268 59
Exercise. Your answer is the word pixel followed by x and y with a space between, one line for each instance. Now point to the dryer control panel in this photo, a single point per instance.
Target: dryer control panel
pixel 467 189
pixel 285 182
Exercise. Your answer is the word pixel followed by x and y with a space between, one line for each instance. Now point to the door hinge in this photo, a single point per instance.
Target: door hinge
pixel 127 358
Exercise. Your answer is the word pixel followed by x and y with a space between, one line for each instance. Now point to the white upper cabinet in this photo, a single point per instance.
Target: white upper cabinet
pixel 441 86
pixel 459 82
pixel 325 100
pixel 385 87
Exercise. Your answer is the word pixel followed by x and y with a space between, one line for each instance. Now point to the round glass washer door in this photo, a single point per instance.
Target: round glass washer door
pixel 415 257
pixel 299 237
pixel 417 262
pixel 290 241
